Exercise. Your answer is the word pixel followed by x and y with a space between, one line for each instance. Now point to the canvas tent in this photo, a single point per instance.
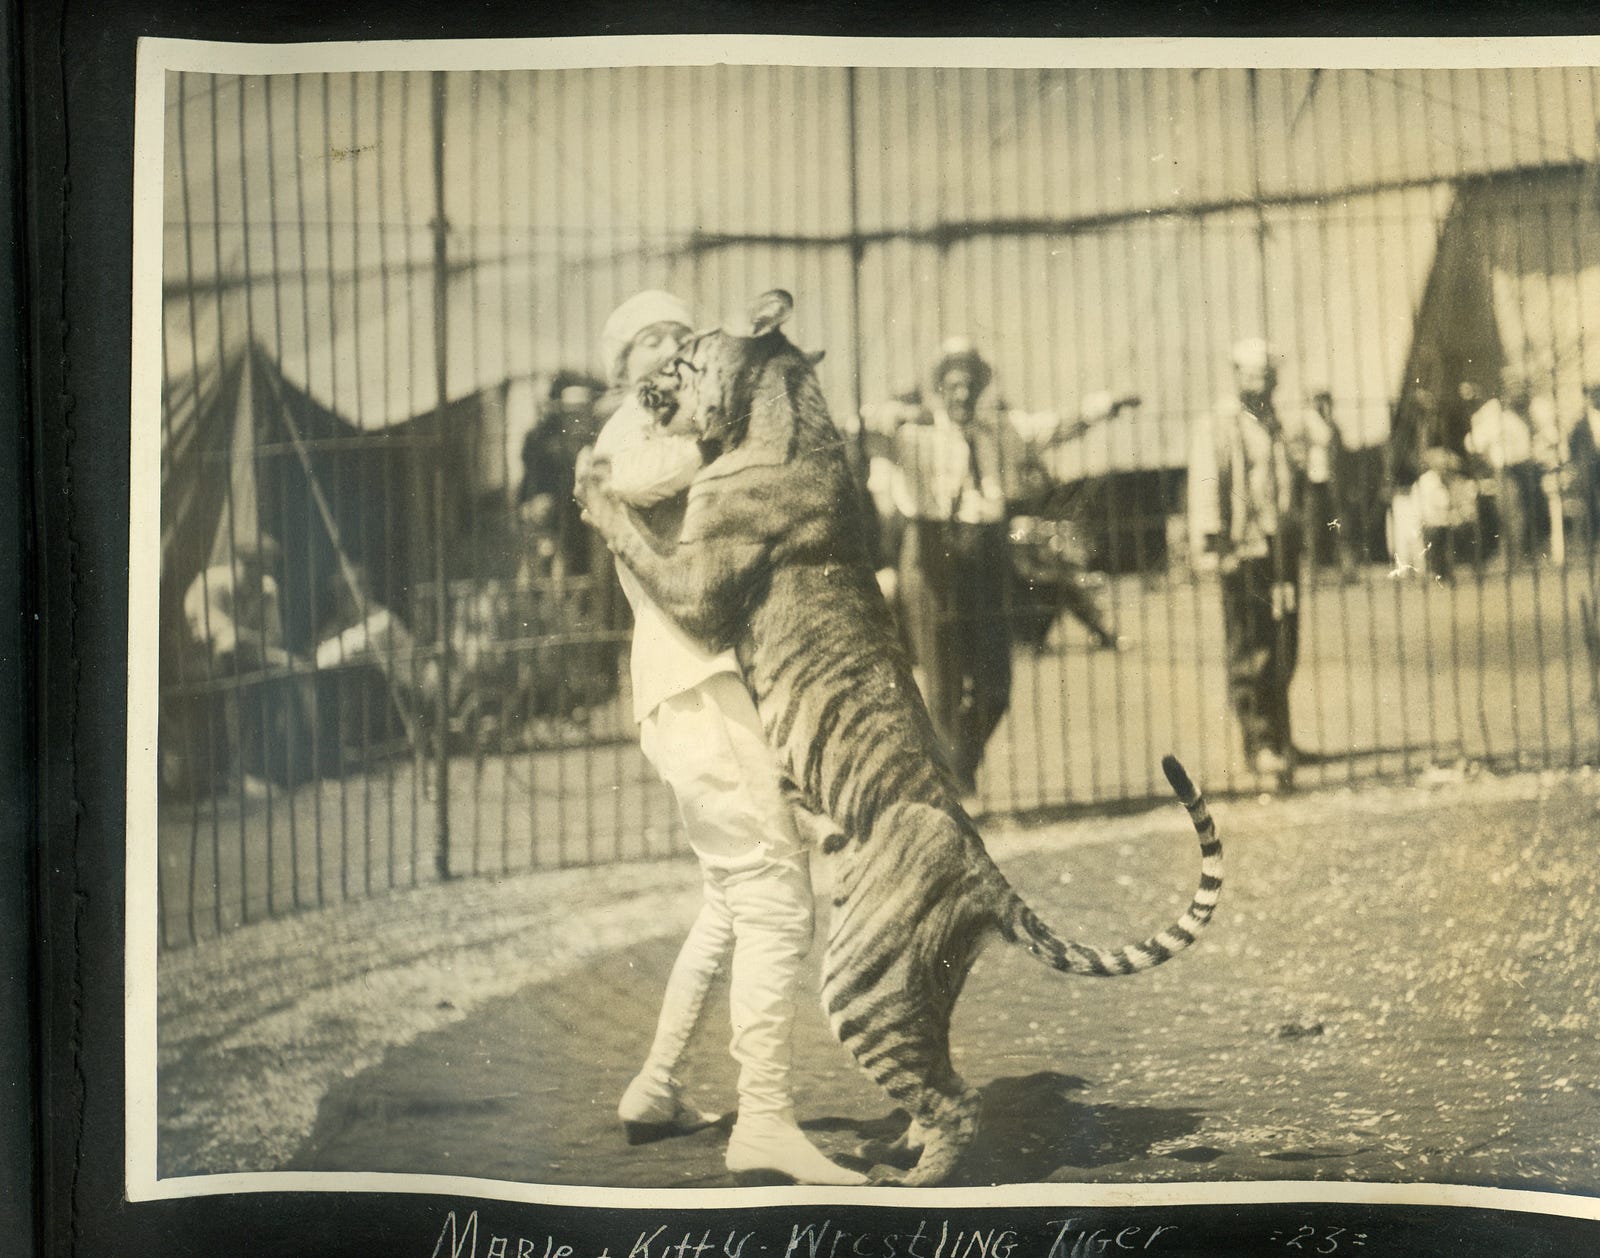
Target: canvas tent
pixel 1514 293
pixel 248 456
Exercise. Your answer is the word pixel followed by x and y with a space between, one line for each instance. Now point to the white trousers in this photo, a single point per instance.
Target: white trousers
pixel 708 746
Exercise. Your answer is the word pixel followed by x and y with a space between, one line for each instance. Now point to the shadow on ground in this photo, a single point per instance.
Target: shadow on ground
pixel 1030 1129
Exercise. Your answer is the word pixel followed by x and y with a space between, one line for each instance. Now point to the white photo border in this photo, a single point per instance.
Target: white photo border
pixel 158 56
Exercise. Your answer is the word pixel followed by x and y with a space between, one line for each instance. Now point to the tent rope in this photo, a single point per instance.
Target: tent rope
pixel 347 570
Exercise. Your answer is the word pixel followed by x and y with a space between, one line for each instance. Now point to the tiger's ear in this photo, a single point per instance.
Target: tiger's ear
pixel 768 311
pixel 815 357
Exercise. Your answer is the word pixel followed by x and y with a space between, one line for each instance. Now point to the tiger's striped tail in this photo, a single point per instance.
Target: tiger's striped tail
pixel 1019 924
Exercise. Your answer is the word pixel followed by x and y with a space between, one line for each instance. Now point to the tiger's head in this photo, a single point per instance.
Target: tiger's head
pixel 705 390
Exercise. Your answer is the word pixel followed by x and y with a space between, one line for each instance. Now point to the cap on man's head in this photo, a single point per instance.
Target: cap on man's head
pixel 956 352
pixel 1255 354
pixel 641 311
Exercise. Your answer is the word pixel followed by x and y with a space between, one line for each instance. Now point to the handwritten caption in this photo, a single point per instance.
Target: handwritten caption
pixel 466 1236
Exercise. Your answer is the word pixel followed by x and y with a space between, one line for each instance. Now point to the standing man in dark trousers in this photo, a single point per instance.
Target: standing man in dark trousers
pixel 1245 492
pixel 953 472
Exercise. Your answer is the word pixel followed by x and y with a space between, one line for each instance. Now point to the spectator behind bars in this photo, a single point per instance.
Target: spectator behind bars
pixel 1244 499
pixel 1436 492
pixel 1328 535
pixel 232 611
pixel 1583 447
pixel 556 542
pixel 1501 439
pixel 950 476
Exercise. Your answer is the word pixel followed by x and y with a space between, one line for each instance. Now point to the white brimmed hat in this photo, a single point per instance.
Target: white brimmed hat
pixel 641 311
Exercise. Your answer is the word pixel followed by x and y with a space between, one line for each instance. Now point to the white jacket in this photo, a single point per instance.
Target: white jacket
pixel 665 661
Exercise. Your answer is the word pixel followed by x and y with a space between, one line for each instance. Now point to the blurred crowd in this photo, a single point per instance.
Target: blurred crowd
pixel 983 541
pixel 1505 474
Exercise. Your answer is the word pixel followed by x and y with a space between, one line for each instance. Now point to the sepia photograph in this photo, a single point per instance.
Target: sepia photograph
pixel 714 614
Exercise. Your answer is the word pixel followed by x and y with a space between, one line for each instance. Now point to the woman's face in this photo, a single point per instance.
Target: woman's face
pixel 652 348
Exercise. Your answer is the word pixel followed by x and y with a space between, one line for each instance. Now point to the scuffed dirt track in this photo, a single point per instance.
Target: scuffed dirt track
pixel 1399 986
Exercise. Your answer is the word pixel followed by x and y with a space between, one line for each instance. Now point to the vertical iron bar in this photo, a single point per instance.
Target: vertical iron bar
pixel 277 354
pixel 441 593
pixel 1076 246
pixel 1023 249
pixel 530 79
pixel 513 597
pixel 472 605
pixel 1424 577
pixel 1049 158
pixel 560 85
pixel 1575 212
pixel 211 689
pixel 1447 399
pixel 1354 273
pixel 1508 547
pixel 359 597
pixel 1310 528
pixel 380 161
pixel 581 82
pixel 1102 241
pixel 1135 104
pixel 237 686
pixel 304 255
pixel 418 751
pixel 326 157
pixel 268 668
pixel 857 251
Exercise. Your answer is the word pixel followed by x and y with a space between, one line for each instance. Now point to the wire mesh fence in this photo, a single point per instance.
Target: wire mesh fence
pixel 392 652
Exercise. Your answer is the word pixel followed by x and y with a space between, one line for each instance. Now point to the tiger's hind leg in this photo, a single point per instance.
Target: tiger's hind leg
pixel 944 1122
pixel 945 1133
pixel 895 1023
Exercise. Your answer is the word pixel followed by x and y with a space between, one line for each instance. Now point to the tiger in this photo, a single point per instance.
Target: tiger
pixel 772 558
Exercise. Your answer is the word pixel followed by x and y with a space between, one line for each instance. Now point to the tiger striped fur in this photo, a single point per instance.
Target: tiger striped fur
pixel 772 559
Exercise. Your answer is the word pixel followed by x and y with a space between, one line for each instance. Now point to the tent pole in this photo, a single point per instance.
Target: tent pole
pixel 1259 203
pixel 330 526
pixel 441 262
pixel 857 259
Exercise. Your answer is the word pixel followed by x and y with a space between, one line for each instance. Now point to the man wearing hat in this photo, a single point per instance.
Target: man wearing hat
pixel 699 729
pixel 953 474
pixel 1245 492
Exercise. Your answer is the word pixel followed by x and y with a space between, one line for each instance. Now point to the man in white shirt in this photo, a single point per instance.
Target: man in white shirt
pixel 1244 499
pixel 699 728
pixel 1502 437
pixel 950 481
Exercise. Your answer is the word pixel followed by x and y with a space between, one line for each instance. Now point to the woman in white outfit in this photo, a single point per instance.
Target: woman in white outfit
pixel 699 729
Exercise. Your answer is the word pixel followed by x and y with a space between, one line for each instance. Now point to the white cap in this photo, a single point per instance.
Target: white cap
pixel 1255 354
pixel 632 317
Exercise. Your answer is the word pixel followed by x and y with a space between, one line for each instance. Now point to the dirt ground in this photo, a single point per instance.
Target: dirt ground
pixel 1399 986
